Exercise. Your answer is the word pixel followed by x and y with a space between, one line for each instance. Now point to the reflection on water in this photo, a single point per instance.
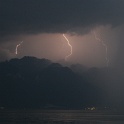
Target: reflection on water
pixel 59 117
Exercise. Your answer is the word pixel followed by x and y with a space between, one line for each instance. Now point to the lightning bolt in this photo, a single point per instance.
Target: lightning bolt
pixel 16 50
pixel 105 46
pixel 69 46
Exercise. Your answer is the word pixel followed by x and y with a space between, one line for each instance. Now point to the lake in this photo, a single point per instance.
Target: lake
pixel 60 117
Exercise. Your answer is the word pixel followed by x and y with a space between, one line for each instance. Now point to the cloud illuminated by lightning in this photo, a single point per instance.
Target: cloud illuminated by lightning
pixel 69 46
pixel 106 48
pixel 16 50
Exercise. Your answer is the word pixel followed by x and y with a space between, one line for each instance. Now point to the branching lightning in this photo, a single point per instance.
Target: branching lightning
pixel 69 46
pixel 16 50
pixel 105 46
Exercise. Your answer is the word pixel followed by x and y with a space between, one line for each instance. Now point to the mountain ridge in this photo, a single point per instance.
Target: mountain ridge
pixel 30 82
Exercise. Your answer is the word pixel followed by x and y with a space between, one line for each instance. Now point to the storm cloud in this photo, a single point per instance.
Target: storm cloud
pixel 40 24
pixel 58 16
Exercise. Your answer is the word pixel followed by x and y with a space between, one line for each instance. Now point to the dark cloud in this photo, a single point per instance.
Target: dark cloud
pixel 56 16
pixel 21 20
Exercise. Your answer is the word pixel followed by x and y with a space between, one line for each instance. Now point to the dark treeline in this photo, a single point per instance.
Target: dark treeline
pixel 38 83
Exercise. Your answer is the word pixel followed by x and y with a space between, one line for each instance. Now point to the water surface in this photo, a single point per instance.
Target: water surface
pixel 60 117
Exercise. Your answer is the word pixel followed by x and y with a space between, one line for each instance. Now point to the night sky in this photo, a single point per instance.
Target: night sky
pixel 41 23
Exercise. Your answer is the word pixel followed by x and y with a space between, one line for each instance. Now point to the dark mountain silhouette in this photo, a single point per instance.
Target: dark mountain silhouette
pixel 39 83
